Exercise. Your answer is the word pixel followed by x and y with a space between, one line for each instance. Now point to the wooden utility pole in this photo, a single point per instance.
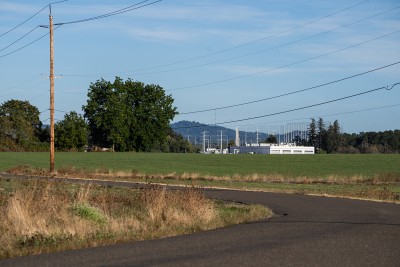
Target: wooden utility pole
pixel 51 95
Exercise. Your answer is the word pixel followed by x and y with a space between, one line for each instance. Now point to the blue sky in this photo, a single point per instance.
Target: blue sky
pixel 214 53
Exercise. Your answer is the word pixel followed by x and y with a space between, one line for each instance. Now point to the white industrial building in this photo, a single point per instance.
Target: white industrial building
pixel 263 148
pixel 271 149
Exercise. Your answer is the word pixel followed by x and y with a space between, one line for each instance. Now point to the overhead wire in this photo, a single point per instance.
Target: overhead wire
pixel 272 48
pixel 19 39
pixel 29 32
pixel 65 112
pixel 22 83
pixel 322 116
pixel 125 10
pixel 301 108
pixel 27 89
pixel 245 55
pixel 284 66
pixel 57 25
pixel 29 44
pixel 251 42
pixel 272 114
pixel 49 119
pixel 20 24
pixel 39 95
pixel 290 93
pixel 117 12
pixel 313 105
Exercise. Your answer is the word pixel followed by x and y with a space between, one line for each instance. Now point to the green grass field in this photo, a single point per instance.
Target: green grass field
pixel 311 166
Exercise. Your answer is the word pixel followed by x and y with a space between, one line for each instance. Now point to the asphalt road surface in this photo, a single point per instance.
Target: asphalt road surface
pixel 305 231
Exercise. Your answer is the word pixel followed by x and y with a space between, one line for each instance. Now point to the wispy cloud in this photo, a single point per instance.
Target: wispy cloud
pixel 184 21
pixel 13 7
pixel 250 70
pixel 159 34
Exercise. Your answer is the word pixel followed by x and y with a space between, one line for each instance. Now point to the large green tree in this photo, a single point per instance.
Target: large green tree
pixel 128 115
pixel 19 123
pixel 71 133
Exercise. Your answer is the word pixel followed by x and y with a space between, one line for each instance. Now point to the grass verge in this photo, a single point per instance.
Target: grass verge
pixel 382 187
pixel 44 215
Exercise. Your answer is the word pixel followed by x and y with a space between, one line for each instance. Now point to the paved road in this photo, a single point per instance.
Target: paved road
pixel 306 231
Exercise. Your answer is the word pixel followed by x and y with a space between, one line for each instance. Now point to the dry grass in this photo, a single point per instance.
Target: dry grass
pixel 103 173
pixel 373 193
pixel 382 186
pixel 45 216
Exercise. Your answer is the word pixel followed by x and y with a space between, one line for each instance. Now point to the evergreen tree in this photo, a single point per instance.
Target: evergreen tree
pixel 333 140
pixel 271 139
pixel 321 135
pixel 312 133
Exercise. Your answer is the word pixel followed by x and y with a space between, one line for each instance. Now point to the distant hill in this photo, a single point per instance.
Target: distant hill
pixel 192 131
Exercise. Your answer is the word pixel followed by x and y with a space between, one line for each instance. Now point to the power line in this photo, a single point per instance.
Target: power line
pixel 31 17
pixel 323 116
pixel 31 43
pixel 117 12
pixel 298 119
pixel 49 119
pixel 278 46
pixel 71 92
pixel 291 93
pixel 29 32
pixel 19 39
pixel 248 54
pixel 301 108
pixel 292 29
pixel 284 66
pixel 120 11
pixel 244 44
pixel 27 89
pixel 63 111
pixel 314 105
pixel 39 95
pixel 21 83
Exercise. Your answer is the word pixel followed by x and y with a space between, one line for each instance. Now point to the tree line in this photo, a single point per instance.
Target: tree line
pixel 21 128
pixel 330 139
pixel 120 116
pixel 133 116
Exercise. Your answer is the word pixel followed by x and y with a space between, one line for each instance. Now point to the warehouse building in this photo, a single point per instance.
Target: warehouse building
pixel 271 149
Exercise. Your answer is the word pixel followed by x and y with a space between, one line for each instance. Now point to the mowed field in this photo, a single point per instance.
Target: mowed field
pixel 310 166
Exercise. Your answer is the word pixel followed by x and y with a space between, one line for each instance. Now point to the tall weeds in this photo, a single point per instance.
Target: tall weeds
pixel 46 215
pixel 380 178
